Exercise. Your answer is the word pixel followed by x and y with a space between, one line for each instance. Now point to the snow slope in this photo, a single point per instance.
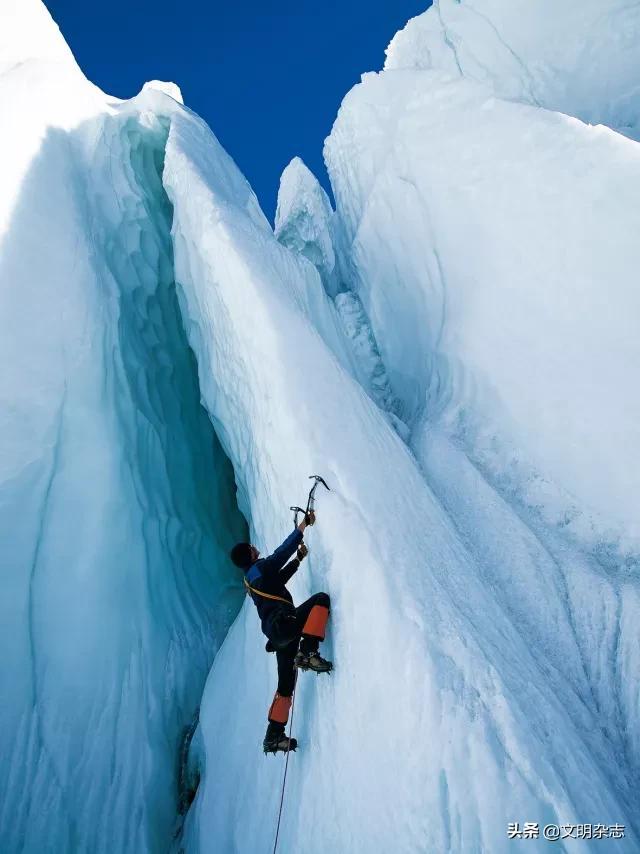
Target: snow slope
pixel 440 350
pixel 28 33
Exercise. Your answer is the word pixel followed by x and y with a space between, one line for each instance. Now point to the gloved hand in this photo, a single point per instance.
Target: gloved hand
pixel 310 517
pixel 302 552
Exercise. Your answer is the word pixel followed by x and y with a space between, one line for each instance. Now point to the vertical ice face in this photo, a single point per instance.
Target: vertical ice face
pixel 493 246
pixel 484 633
pixel 500 238
pixel 118 503
pixel 466 689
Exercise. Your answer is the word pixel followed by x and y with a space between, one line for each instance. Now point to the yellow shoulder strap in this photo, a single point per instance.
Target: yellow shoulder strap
pixel 264 595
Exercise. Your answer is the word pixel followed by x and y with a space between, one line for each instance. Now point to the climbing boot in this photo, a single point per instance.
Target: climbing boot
pixel 312 661
pixel 277 741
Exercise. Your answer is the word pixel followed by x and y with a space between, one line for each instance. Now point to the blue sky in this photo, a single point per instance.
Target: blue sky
pixel 268 77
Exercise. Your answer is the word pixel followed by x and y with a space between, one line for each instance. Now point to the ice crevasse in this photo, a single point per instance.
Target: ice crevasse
pixel 452 349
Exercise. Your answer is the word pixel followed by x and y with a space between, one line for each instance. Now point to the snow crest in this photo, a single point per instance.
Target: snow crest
pixel 27 32
pixel 304 221
pixel 578 57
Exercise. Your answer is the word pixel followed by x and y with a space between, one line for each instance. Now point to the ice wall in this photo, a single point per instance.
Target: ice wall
pixel 501 239
pixel 484 596
pixel 451 706
pixel 118 506
pixel 575 56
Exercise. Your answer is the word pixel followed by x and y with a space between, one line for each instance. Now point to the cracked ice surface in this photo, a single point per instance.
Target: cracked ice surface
pixel 579 57
pixel 117 503
pixel 501 238
pixel 304 221
pixel 484 628
pixel 480 711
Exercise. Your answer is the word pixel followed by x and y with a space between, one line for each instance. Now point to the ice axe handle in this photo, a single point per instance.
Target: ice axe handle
pixel 296 510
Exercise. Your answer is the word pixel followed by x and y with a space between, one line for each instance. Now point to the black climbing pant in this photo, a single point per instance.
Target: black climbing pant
pixel 293 628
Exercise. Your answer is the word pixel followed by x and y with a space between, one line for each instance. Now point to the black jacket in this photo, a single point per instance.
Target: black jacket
pixel 270 574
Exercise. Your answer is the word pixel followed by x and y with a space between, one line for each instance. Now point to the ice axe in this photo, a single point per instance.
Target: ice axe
pixel 312 492
pixel 311 498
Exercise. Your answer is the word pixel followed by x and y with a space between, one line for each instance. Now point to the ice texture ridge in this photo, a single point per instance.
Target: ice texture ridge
pixel 453 349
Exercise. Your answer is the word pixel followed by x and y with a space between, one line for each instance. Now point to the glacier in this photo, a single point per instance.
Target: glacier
pixel 118 503
pixel 453 348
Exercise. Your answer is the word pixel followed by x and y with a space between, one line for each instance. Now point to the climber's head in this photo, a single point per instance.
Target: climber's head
pixel 244 555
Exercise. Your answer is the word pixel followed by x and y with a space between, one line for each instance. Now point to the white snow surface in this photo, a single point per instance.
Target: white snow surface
pixel 576 56
pixel 501 239
pixel 171 89
pixel 27 33
pixel 466 386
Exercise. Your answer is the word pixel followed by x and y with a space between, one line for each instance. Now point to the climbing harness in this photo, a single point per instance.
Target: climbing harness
pixel 286 763
pixel 251 589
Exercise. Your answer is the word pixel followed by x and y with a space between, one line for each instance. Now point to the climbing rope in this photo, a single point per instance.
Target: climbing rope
pixel 296 510
pixel 286 763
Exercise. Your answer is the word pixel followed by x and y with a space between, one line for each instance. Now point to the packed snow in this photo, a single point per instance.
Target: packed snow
pixel 578 57
pixel 454 349
pixel 506 262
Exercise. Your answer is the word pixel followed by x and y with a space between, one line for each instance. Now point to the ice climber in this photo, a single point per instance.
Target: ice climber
pixel 293 633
